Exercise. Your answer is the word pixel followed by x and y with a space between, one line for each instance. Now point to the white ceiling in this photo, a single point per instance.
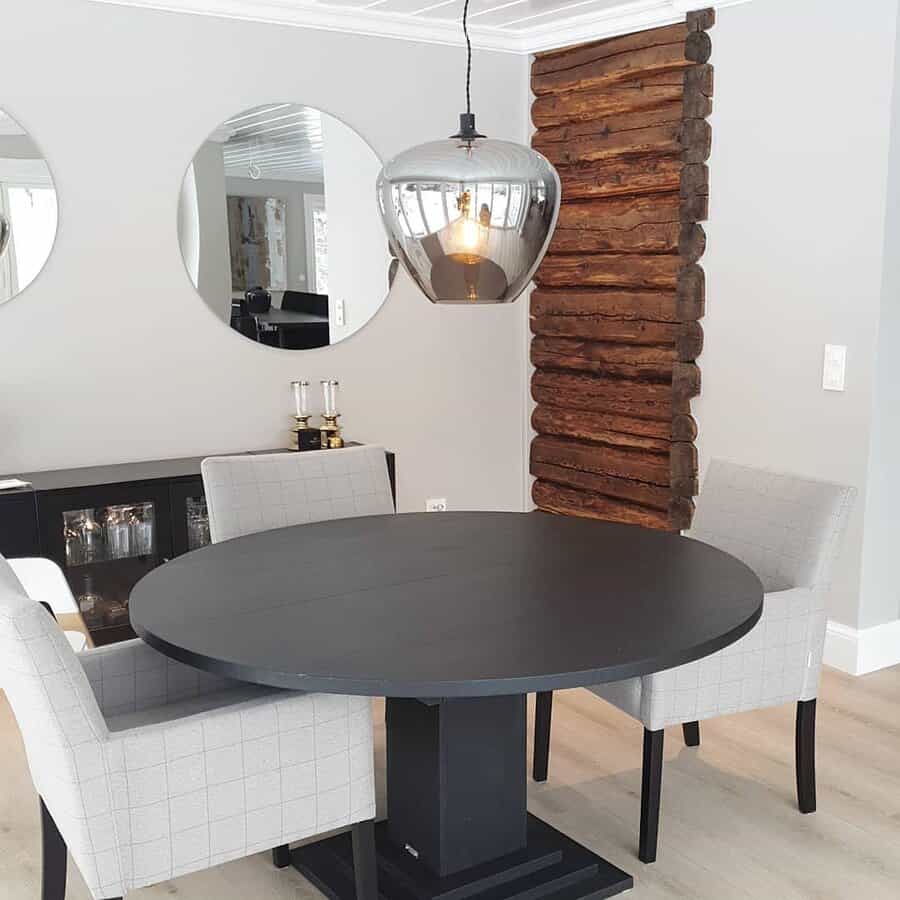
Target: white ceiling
pixel 515 26
pixel 282 141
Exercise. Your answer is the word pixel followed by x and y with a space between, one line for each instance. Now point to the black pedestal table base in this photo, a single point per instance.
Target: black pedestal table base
pixel 457 825
pixel 550 866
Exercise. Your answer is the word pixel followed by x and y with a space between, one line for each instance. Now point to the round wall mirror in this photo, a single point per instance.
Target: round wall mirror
pixel 279 228
pixel 27 209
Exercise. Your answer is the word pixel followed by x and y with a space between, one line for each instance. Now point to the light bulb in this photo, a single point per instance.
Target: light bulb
pixel 467 237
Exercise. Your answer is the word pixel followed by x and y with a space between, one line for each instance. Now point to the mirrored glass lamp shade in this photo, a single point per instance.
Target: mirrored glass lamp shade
pixel 4 234
pixel 470 219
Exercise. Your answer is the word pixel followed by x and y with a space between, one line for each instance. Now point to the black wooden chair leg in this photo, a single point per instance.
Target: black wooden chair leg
pixel 805 748
pixel 365 866
pixel 691 734
pixel 281 856
pixel 543 709
pixel 54 857
pixel 651 786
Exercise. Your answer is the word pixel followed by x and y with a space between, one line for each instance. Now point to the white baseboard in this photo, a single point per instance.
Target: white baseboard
pixel 860 651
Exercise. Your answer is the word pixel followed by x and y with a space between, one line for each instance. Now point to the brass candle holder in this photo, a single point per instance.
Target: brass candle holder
pixel 302 436
pixel 329 430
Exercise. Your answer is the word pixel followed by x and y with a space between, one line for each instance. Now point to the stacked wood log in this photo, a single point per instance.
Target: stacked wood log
pixel 615 312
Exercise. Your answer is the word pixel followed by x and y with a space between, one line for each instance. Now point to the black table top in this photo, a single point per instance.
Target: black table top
pixel 446 604
pixel 276 316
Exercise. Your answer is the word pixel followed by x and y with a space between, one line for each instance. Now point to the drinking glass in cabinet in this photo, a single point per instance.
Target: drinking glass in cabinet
pixel 142 529
pixel 197 523
pixel 90 604
pixel 84 537
pixel 119 531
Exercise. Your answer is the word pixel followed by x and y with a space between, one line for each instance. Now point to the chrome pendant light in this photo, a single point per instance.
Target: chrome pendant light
pixel 469 218
pixel 5 232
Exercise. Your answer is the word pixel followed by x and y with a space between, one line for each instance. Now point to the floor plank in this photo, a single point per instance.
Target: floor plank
pixel 729 827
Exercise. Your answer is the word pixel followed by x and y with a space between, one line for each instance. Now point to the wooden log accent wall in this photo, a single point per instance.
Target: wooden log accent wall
pixel 615 314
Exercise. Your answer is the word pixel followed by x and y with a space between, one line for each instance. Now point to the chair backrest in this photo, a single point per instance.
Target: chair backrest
pixel 250 493
pixel 787 528
pixel 44 581
pixel 62 728
pixel 303 301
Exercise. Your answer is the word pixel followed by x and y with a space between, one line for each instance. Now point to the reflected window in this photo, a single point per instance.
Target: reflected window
pixel 33 215
pixel 412 212
pixel 515 205
pixel 320 248
pixel 433 211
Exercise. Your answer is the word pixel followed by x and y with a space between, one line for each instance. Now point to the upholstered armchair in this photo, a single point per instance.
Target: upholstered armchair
pixel 248 493
pixel 257 492
pixel 789 530
pixel 148 769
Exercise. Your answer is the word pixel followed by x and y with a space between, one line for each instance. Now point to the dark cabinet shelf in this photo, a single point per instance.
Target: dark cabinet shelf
pixel 97 523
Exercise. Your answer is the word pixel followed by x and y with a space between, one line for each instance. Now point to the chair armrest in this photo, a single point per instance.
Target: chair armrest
pixel 777 661
pixel 801 613
pixel 289 747
pixel 131 676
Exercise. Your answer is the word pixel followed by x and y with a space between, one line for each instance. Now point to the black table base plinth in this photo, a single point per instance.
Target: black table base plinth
pixel 456 779
pixel 550 867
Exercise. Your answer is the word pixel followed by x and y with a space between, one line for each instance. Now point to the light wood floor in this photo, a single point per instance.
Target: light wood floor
pixel 729 827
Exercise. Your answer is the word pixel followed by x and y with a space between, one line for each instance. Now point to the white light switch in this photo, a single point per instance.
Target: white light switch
pixel 339 313
pixel 834 367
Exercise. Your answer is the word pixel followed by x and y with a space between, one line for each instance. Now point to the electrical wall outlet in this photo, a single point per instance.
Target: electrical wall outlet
pixel 340 313
pixel 834 367
pixel 436 504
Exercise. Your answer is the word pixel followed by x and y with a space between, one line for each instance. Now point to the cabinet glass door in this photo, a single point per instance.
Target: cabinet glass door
pixel 190 519
pixel 197 522
pixel 108 549
pixel 106 541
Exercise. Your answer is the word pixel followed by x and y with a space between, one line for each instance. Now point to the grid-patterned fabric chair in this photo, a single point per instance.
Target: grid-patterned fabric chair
pixel 148 769
pixel 250 493
pixel 789 530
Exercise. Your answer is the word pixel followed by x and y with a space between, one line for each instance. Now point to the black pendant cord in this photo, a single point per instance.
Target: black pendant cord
pixel 467 131
pixel 465 26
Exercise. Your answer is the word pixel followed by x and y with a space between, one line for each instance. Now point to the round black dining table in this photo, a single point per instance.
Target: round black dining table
pixel 454 618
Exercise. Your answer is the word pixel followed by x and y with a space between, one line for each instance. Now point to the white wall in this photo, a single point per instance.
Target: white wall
pixel 796 238
pixel 880 594
pixel 358 257
pixel 110 355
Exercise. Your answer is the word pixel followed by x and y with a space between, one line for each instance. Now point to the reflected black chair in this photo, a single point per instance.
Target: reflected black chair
pixel 302 301
pixel 241 321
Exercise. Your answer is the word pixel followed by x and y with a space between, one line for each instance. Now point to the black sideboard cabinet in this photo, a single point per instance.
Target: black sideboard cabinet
pixel 107 526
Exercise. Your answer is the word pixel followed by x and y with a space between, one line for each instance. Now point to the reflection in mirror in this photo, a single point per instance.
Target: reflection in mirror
pixel 278 228
pixel 27 209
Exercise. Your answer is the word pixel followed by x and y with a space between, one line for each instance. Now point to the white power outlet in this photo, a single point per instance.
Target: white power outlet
pixel 436 504
pixel 834 367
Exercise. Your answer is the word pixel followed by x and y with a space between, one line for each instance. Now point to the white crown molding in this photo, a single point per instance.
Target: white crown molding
pixel 860 651
pixel 622 19
pixel 558 31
